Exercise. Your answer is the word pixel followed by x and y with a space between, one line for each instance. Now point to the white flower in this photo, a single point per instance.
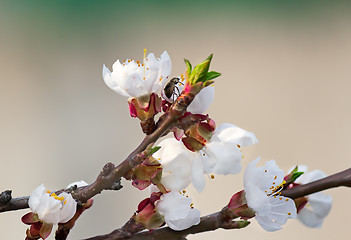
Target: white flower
pixel 176 163
pixel 221 155
pixel 177 211
pixel 262 185
pixel 318 205
pixel 133 78
pixel 51 208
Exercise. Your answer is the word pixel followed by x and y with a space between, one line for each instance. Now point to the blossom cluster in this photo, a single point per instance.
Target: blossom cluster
pixel 199 148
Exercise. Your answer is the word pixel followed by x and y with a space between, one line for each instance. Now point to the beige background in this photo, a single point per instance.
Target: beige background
pixel 286 77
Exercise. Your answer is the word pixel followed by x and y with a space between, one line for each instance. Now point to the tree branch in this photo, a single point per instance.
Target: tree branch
pixel 224 218
pixel 336 180
pixel 110 173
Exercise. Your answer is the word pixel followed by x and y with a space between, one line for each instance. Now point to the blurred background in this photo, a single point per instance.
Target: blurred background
pixel 286 71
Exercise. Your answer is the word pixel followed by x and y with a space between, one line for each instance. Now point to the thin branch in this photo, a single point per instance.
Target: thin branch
pixel 125 232
pixel 15 204
pixel 110 173
pixel 336 180
pixel 224 218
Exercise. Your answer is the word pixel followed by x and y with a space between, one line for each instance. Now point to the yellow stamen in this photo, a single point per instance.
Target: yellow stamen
pixel 59 198
pixel 289 213
pixel 144 58
pixel 212 176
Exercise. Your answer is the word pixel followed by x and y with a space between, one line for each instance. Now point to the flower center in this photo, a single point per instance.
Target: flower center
pixel 56 197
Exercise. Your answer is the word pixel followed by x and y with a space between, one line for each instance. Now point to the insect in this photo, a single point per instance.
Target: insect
pixel 170 88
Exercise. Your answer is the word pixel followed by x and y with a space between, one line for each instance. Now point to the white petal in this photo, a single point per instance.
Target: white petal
pixel 309 218
pixel 227 157
pixel 257 199
pixel 111 82
pixel 176 163
pixel 79 184
pixel 227 132
pixel 202 100
pixel 320 203
pixel 177 211
pixel 268 224
pixel 68 209
pixel 174 205
pixel 197 172
pixel 36 195
pixel 49 209
pixel 193 218
pixel 166 64
pixel 311 176
pixel 281 209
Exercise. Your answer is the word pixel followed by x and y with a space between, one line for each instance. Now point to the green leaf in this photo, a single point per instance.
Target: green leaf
pixel 294 170
pixel 209 57
pixel 188 66
pixel 212 75
pixel 296 175
pixel 200 72
pixel 154 149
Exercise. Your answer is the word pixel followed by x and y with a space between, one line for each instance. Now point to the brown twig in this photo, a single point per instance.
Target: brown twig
pixel 125 232
pixel 111 173
pixel 224 218
pixel 336 180
pixel 15 204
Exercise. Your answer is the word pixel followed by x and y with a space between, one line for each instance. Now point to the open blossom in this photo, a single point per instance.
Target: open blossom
pixel 262 186
pixel 133 78
pixel 51 208
pixel 221 155
pixel 177 211
pixel 318 204
pixel 48 209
